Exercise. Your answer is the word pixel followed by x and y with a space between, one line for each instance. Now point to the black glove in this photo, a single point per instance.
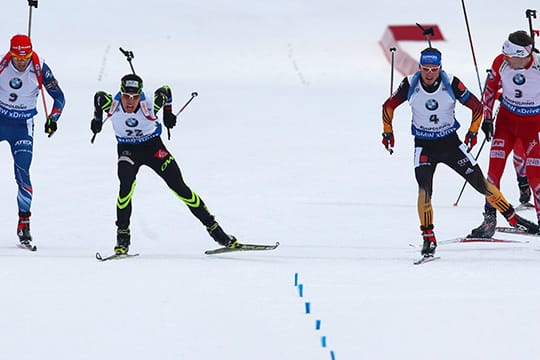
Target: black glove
pixel 487 128
pixel 96 125
pixel 50 123
pixel 169 119
pixel 388 141
pixel 50 126
pixel 470 139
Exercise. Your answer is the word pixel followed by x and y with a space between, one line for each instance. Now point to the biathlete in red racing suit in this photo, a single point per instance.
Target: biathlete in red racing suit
pixel 515 73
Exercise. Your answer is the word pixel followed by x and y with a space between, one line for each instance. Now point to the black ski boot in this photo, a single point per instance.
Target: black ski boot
pixel 217 233
pixel 123 240
pixel 524 190
pixel 526 225
pixel 520 222
pixel 23 229
pixel 430 243
pixel 486 230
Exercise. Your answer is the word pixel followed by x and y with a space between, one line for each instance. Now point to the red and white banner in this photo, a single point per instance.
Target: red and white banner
pixel 403 62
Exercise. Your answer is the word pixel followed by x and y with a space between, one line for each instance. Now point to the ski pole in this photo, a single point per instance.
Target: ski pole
pixel 392 51
pixel 129 56
pixel 94 136
pixel 479 150
pixel 193 96
pixel 472 47
pixel 465 183
pixel 31 4
pixel 479 84
pixel 529 14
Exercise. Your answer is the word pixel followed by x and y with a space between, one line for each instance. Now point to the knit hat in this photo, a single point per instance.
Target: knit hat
pixel 21 46
pixel 430 57
pixel 131 84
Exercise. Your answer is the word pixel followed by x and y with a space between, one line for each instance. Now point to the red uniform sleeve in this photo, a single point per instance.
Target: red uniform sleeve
pixel 493 85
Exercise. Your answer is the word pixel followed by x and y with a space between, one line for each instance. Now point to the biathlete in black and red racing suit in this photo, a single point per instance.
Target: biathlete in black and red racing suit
pixel 432 95
pixel 138 131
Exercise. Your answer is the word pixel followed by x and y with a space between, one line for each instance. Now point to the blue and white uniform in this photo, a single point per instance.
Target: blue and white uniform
pixel 19 91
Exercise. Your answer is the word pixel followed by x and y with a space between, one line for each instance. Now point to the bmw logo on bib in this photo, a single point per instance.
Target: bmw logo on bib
pixel 132 122
pixel 519 79
pixel 432 104
pixel 15 83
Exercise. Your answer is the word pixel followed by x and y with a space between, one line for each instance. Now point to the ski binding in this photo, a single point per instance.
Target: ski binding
pixel 27 246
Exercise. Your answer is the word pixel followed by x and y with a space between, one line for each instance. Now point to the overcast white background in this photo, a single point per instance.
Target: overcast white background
pixel 283 144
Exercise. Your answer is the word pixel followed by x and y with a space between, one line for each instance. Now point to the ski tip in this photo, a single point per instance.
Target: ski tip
pixel 425 260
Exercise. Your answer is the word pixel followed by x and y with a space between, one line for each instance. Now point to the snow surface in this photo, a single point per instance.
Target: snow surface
pixel 283 144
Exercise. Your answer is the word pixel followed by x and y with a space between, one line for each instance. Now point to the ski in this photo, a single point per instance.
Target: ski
pixel 524 206
pixel 481 240
pixel 114 256
pixel 474 240
pixel 28 246
pixel 426 259
pixel 513 230
pixel 242 247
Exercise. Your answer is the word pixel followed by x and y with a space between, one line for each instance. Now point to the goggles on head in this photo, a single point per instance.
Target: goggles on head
pixel 21 57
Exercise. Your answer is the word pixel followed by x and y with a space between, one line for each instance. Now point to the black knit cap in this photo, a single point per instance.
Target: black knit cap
pixel 131 84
